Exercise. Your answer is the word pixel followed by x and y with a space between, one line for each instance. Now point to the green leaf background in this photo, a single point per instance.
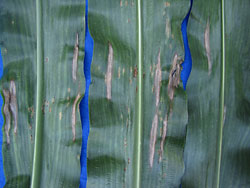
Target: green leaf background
pixel 207 141
pixel 37 49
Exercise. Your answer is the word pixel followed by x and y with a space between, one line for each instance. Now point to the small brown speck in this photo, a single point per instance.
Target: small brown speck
pixel 69 90
pixel 135 73
pixel 167 4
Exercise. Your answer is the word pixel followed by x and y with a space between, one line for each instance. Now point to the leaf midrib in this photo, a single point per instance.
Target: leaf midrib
pixel 37 162
pixel 138 126
pixel 222 95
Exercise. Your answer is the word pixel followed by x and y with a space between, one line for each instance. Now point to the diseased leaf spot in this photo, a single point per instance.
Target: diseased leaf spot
pixel 168 28
pixel 135 72
pixel 6 112
pixel 75 58
pixel 73 116
pixel 174 77
pixel 13 104
pixel 207 46
pixel 108 76
pixel 60 115
pixel 157 87
pixel 163 137
pixel 167 4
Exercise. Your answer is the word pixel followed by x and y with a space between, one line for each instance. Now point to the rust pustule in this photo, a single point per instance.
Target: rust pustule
pixel 13 104
pixel 6 112
pixel 135 72
pixel 207 46
pixel 73 116
pixel 75 58
pixel 108 76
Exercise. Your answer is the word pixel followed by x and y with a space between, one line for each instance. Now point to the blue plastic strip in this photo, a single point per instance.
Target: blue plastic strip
pixel 187 64
pixel 84 109
pixel 2 178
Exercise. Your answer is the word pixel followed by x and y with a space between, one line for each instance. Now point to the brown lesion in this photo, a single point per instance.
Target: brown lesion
pixel 135 72
pixel 13 104
pixel 207 46
pixel 10 109
pixel 6 111
pixel 174 77
pixel 173 83
pixel 75 58
pixel 73 116
pixel 157 87
pixel 108 76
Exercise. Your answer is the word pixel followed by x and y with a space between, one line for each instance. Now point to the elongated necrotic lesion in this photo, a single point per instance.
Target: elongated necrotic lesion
pixel 174 77
pixel 6 112
pixel 108 77
pixel 13 104
pixel 157 88
pixel 10 110
pixel 75 58
pixel 73 116
pixel 207 46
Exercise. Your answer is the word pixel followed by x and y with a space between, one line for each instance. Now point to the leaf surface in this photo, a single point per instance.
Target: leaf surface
pixel 38 41
pixel 135 45
pixel 216 152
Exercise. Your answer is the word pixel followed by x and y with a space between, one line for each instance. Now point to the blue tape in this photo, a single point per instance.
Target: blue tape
pixel 2 177
pixel 84 110
pixel 187 64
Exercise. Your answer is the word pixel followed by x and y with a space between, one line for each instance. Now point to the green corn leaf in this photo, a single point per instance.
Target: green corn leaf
pixel 218 133
pixel 137 132
pixel 38 42
pixel 218 96
pixel 145 131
